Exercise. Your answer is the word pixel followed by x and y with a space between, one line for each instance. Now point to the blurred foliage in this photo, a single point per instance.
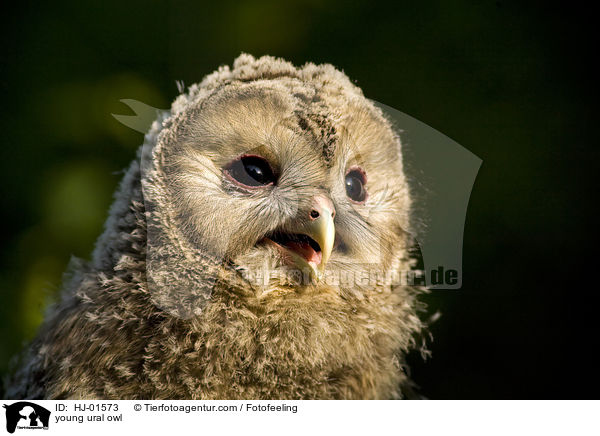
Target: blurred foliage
pixel 506 80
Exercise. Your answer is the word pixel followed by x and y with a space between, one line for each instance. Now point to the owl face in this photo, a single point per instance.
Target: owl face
pixel 292 188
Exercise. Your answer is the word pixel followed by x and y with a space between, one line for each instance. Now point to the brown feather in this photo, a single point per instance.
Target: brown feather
pixel 165 309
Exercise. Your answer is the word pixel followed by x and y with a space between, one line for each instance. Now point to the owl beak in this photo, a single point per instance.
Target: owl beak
pixel 311 242
pixel 321 228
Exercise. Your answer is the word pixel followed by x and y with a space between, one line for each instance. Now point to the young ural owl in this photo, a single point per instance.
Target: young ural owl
pixel 220 273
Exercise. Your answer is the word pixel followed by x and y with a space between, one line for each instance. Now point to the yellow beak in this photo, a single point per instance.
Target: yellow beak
pixel 322 230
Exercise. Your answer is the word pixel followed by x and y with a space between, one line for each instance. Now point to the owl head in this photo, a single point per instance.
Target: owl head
pixel 280 180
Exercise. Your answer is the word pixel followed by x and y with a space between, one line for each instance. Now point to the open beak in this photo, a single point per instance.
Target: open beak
pixel 322 231
pixel 311 247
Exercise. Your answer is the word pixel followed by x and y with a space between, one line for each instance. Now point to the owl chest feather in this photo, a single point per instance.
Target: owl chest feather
pixel 290 349
pixel 310 347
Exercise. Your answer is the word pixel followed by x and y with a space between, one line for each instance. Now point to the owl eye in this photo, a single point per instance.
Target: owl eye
pixel 252 171
pixel 355 185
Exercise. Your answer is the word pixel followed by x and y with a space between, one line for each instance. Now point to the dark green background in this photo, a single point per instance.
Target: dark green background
pixel 508 81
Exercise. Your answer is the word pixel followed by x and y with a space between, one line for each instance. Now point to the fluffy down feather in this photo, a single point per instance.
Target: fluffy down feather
pixel 197 329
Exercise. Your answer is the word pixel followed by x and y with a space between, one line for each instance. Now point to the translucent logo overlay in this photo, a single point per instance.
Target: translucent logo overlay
pixel 440 174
